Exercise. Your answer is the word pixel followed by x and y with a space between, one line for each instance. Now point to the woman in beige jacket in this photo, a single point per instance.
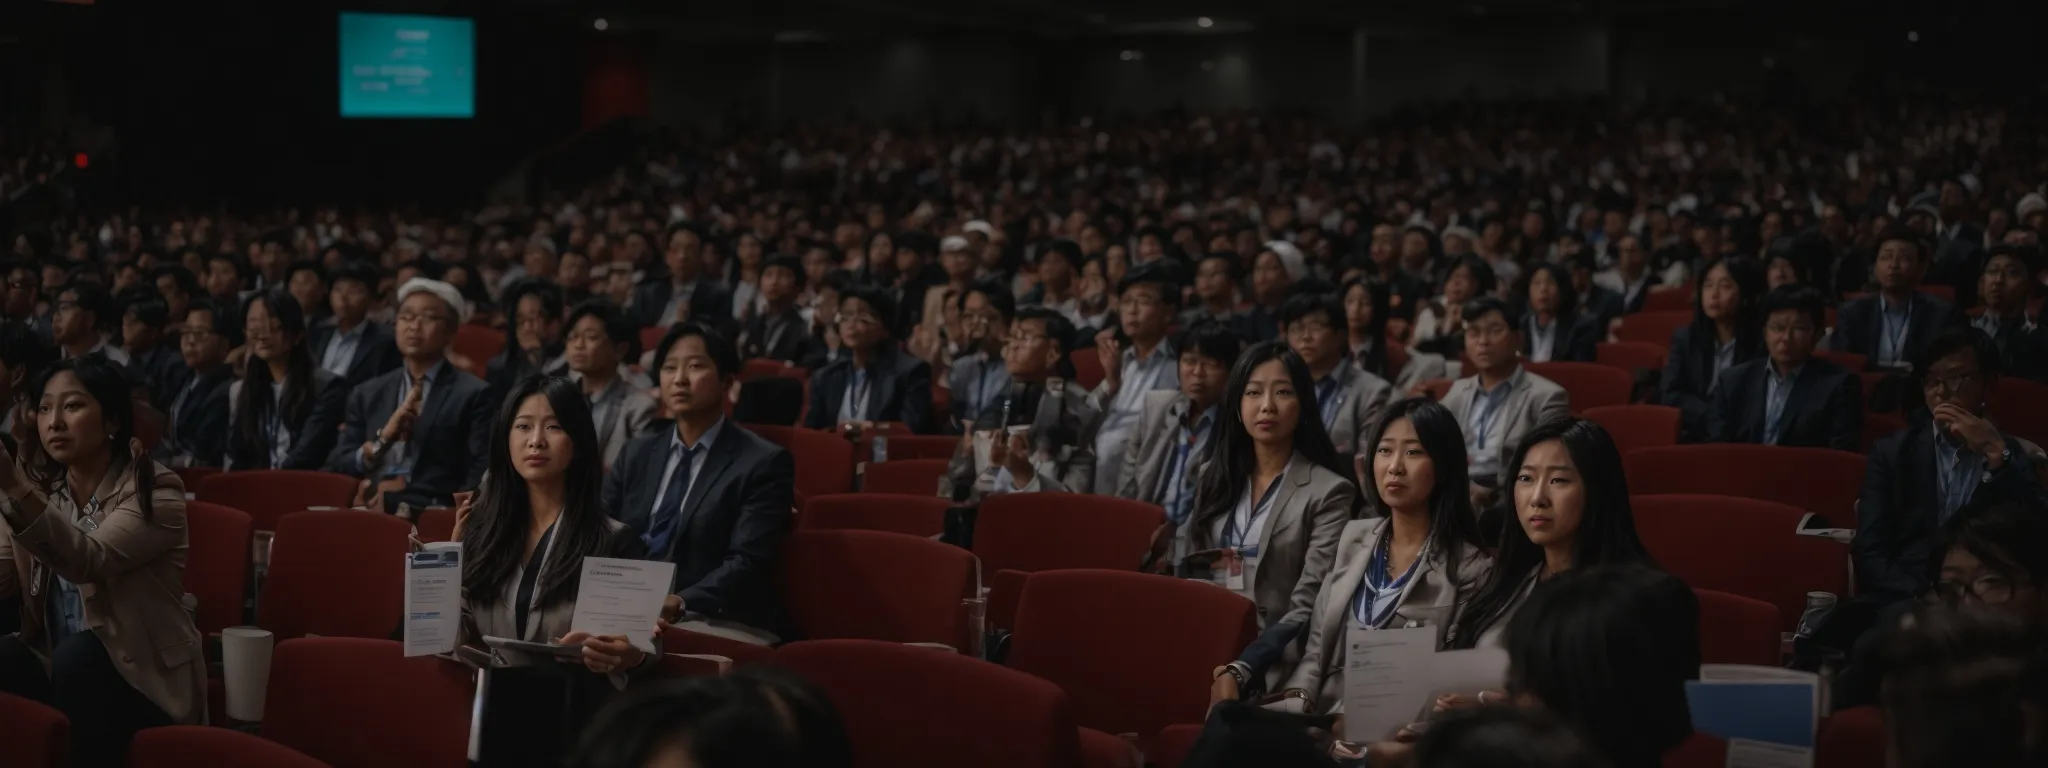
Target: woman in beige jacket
pixel 95 551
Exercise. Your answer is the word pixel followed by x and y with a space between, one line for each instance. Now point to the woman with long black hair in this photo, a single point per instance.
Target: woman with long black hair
pixel 1366 311
pixel 1273 493
pixel 1409 567
pixel 93 538
pixel 1727 329
pixel 1554 332
pixel 526 532
pixel 284 412
pixel 1571 511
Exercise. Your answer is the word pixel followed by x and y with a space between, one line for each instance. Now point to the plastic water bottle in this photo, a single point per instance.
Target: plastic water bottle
pixel 1818 606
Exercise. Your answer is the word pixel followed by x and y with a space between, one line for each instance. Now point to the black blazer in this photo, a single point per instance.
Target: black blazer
pixel 710 302
pixel 1823 410
pixel 1688 375
pixel 792 346
pixel 1601 306
pixel 451 439
pixel 1575 340
pixel 312 438
pixel 2023 349
pixel 375 355
pixel 162 371
pixel 1860 324
pixel 729 542
pixel 1896 525
pixel 900 389
pixel 199 425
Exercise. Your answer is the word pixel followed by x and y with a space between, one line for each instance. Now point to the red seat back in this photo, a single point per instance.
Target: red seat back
pixel 336 574
pixel 1588 385
pixel 436 524
pixel 1436 388
pixel 1087 367
pixel 1823 481
pixel 479 343
pixel 1738 630
pixel 877 585
pixel 1630 355
pixel 358 703
pixel 824 462
pixel 1046 531
pixel 220 540
pixel 922 447
pixel 897 513
pixel 1849 361
pixel 269 494
pixel 1852 738
pixel 1637 426
pixel 1878 426
pixel 2021 408
pixel 764 368
pixel 916 477
pixel 907 706
pixel 1692 535
pixel 195 746
pixel 779 434
pixel 1133 651
pixel 650 340
pixel 1676 300
pixel 1653 327
pixel 1699 751
pixel 32 734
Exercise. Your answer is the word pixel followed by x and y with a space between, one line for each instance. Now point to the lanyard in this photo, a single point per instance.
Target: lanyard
pixel 1176 491
pixel 1955 483
pixel 857 396
pixel 1774 410
pixel 1333 401
pixel 1234 534
pixel 1369 588
pixel 1485 406
pixel 1896 339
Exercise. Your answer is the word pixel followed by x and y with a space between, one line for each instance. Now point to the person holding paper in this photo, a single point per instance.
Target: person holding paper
pixel 92 539
pixel 1274 493
pixel 1041 430
pixel 707 495
pixel 1407 569
pixel 1609 649
pixel 1571 511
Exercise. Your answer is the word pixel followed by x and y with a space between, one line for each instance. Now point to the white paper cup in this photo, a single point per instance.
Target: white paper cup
pixel 245 661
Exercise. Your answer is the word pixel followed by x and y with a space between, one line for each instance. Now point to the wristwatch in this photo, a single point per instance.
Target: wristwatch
pixel 2004 460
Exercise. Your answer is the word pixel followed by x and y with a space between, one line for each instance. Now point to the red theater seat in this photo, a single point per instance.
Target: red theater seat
pixel 1819 480
pixel 1630 356
pixel 358 703
pixel 336 574
pixel 1637 426
pixel 876 585
pixel 1738 630
pixel 1852 738
pixel 916 477
pixel 898 513
pixel 1588 385
pixel 269 494
pixel 1653 327
pixel 194 746
pixel 1031 532
pixel 220 540
pixel 33 735
pixel 1692 536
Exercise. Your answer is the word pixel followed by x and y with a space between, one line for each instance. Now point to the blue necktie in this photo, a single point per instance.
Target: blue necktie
pixel 671 507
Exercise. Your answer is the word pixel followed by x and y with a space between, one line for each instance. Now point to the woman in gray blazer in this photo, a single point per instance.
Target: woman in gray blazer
pixel 1273 493
pixel 534 521
pixel 1410 568
pixel 1571 512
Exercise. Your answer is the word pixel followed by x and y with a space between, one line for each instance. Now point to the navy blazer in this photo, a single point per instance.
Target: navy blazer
pixel 1575 340
pixel 728 545
pixel 1860 324
pixel 900 389
pixel 1688 375
pixel 199 426
pixel 1823 410
pixel 312 438
pixel 375 355
pixel 451 438
pixel 1601 306
pixel 1896 517
pixel 710 302
pixel 793 346
pixel 2023 349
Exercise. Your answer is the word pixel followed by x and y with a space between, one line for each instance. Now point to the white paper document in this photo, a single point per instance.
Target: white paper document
pixel 622 598
pixel 1393 676
pixel 433 599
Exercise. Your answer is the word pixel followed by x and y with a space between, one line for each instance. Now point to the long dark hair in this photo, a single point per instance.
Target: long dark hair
pixel 106 384
pixel 1751 283
pixel 495 540
pixel 1609 650
pixel 1606 533
pixel 253 406
pixel 1229 461
pixel 1375 360
pixel 1453 524
pixel 1962 687
pixel 1567 299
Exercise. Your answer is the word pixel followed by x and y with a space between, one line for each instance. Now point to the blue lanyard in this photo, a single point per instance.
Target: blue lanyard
pixel 1486 406
pixel 1369 587
pixel 1896 338
pixel 1233 537
pixel 1176 491
pixel 1334 399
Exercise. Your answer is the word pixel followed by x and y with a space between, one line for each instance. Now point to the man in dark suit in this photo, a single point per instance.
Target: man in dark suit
pixel 153 360
pixel 1789 397
pixel 353 347
pixel 198 412
pixel 780 333
pixel 682 294
pixel 1631 278
pixel 876 381
pixel 1892 327
pixel 707 495
pixel 1597 305
pixel 420 433
pixel 2021 342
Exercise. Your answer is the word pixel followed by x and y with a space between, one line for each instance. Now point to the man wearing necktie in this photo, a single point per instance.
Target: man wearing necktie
pixel 1789 397
pixel 707 495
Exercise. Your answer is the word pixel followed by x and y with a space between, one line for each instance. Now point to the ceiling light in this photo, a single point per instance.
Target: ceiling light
pixel 601 25
pixel 1205 22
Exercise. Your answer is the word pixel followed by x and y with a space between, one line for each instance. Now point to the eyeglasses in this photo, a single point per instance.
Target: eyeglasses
pixel 1950 383
pixel 1986 590
pixel 1795 329
pixel 1488 331
pixel 408 318
pixel 1308 329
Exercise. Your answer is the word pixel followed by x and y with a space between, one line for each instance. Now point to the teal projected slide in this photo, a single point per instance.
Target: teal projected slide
pixel 407 66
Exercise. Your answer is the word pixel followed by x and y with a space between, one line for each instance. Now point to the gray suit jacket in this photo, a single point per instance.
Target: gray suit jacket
pixel 1364 396
pixel 1420 367
pixel 1148 450
pixel 545 621
pixel 631 412
pixel 1429 599
pixel 1300 541
pixel 1532 401
pixel 1065 462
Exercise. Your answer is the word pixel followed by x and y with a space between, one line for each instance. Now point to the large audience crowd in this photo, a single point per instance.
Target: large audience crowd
pixel 1309 345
